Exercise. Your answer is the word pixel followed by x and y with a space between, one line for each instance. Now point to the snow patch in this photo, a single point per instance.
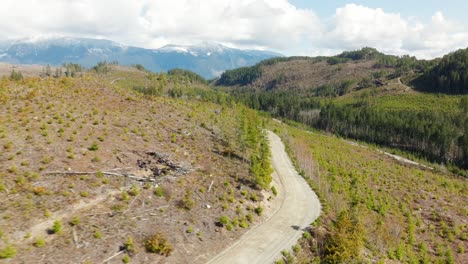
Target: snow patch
pixel 208 54
pixel 3 55
pixel 170 48
pixel 95 51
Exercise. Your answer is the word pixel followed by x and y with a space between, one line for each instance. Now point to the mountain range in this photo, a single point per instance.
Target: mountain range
pixel 207 59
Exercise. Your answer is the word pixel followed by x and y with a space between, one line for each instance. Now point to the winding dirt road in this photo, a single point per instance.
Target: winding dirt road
pixel 299 206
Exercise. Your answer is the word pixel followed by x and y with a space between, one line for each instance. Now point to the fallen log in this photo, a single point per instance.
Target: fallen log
pixel 108 173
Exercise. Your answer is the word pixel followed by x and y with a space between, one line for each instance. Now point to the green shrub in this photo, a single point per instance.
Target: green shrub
pixel 158 244
pixel 159 192
pixel 16 76
pixel 249 217
pixel 75 221
pixel 39 242
pixel 134 191
pixel 346 239
pixel 97 234
pixel 7 252
pixel 243 223
pixel 224 220
pixel 274 191
pixel 259 210
pixel 93 147
pixel 187 202
pixel 47 213
pixel 129 246
pixel 56 227
pixel 253 197
pixel 296 248
pixel 125 196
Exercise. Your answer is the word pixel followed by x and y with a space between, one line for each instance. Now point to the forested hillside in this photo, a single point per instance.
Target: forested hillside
pixel 449 76
pixel 366 95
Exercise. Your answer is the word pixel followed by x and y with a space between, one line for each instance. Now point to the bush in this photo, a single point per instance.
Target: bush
pixel 224 220
pixel 134 191
pixel 140 67
pixel 346 239
pixel 187 202
pixel 102 67
pixel 16 76
pixel 249 217
pixel 93 147
pixel 39 242
pixel 97 234
pixel 75 221
pixel 159 192
pixel 7 252
pixel 56 227
pixel 273 189
pixel 259 210
pixel 158 244
pixel 129 246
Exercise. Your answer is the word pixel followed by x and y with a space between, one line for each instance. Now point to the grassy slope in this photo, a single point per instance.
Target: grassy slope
pixel 52 124
pixel 409 214
pixel 394 97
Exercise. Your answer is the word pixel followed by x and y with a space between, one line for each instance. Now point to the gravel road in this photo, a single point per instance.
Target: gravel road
pixel 298 206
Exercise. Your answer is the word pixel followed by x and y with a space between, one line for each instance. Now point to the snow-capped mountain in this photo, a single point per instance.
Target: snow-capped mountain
pixel 208 59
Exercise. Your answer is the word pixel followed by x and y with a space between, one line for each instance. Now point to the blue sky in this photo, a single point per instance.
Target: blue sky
pixel 425 29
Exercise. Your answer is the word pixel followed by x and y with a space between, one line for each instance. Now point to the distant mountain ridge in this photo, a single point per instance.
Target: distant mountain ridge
pixel 208 59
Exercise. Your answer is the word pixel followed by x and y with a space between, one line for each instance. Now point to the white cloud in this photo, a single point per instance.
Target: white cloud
pixel 266 23
pixel 271 24
pixel 355 26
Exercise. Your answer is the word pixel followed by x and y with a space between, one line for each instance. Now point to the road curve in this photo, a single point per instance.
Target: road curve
pixel 298 208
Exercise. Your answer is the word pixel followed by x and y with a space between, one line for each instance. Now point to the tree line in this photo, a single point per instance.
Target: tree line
pixel 437 136
pixel 440 137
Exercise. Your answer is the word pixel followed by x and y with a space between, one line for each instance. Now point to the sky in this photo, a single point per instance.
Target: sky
pixel 425 29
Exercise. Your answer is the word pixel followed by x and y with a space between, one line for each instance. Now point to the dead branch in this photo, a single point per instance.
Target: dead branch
pixel 115 255
pixel 130 205
pixel 211 185
pixel 108 173
pixel 75 238
pixel 93 214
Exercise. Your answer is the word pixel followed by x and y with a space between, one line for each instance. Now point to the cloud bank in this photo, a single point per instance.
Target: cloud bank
pixel 268 24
